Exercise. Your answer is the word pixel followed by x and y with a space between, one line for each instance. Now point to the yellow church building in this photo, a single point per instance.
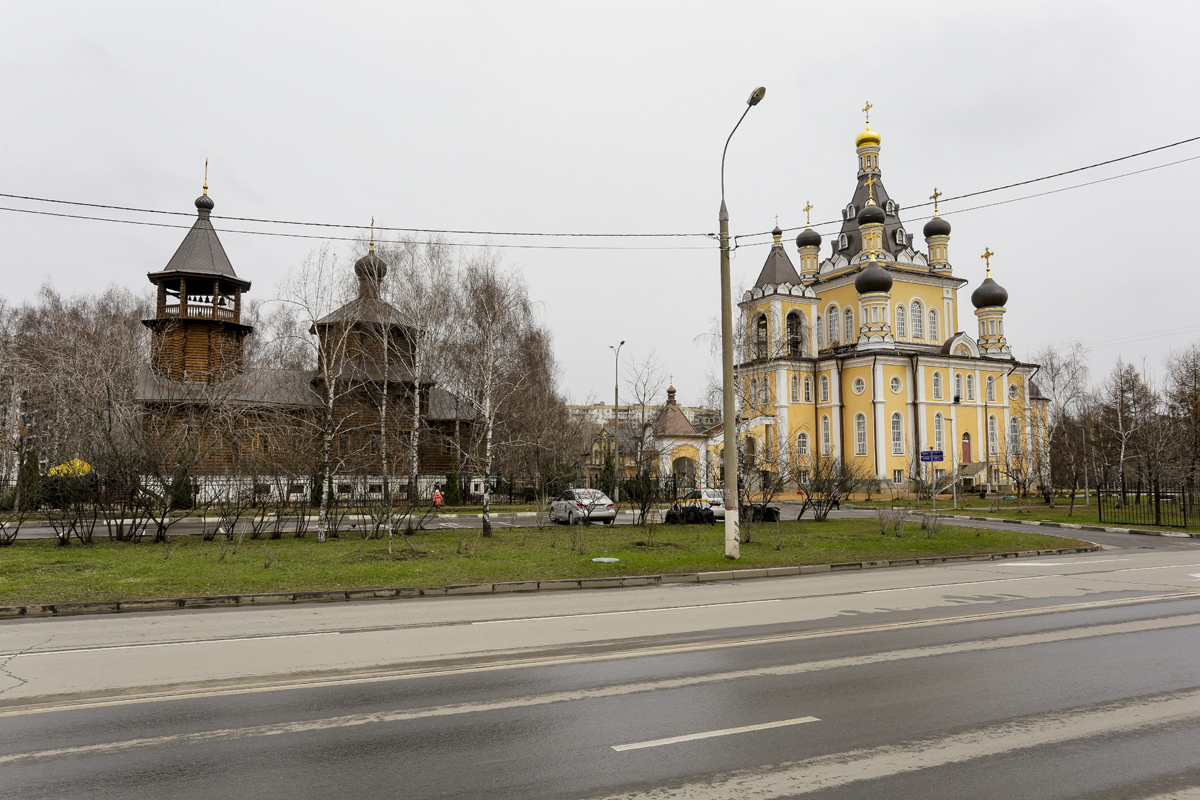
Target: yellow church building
pixel 860 357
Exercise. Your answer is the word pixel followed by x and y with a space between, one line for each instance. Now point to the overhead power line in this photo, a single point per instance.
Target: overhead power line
pixel 1007 186
pixel 622 235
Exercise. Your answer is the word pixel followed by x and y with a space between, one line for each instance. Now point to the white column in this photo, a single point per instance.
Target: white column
pixel 882 421
pixel 836 421
pixel 782 430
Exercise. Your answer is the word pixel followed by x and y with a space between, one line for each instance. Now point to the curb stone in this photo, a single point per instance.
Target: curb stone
pixel 507 587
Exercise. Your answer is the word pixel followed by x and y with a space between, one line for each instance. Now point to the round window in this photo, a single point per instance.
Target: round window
pixel 860 386
pixel 1012 393
pixel 896 385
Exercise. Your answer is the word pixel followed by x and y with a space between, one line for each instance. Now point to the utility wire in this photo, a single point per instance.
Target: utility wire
pixel 1003 202
pixel 1018 183
pixel 456 232
pixel 326 238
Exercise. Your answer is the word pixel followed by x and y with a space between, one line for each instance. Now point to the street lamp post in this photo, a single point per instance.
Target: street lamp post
pixel 733 539
pixel 616 421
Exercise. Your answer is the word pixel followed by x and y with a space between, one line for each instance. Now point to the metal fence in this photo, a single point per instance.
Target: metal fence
pixel 1139 504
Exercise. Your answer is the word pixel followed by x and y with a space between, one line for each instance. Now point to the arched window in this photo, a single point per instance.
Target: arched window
pixel 850 211
pixel 796 333
pixel 751 450
pixel 890 208
pixel 937 386
pixel 765 388
pixel 802 444
pixel 795 389
pixel 824 388
pixel 860 435
pixel 897 434
pixel 807 389
pixel 901 327
pixel 760 336
pixel 993 445
pixel 958 385
pixel 938 440
pixel 850 337
pixel 843 242
pixel 933 326
pixel 831 316
pixel 970 386
pixel 900 240
pixel 753 396
pixel 826 440
pixel 918 315
pixel 1014 436
pixel 991 389
pixel 820 333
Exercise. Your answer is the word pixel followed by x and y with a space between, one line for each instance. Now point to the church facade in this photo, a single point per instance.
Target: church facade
pixel 860 357
pixel 216 418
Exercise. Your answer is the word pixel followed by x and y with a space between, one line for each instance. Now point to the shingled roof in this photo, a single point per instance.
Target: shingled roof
pixel 201 251
pixel 777 269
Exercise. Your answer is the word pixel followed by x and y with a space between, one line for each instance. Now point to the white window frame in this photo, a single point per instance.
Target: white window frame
pixel 834 320
pixel 901 321
pixel 970 386
pixel 860 434
pixel 991 389
pixel 938 432
pixel 801 443
pixel 795 389
pixel 826 437
pixel 936 380
pixel 848 315
pixel 897 434
pixel 933 325
pixel 917 319
pixel 824 388
pixel 807 389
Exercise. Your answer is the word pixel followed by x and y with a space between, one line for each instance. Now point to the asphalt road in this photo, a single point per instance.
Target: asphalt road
pixel 1057 677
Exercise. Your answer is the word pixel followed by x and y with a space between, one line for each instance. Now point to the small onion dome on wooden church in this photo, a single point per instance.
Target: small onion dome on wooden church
pixel 874 278
pixel 989 293
pixel 936 227
pixel 872 214
pixel 808 238
pixel 204 203
pixel 371 268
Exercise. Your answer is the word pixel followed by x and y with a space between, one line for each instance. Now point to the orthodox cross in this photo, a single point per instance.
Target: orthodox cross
pixel 987 259
pixel 372 233
pixel 934 197
pixel 808 206
pixel 205 176
pixel 867 110
pixel 870 184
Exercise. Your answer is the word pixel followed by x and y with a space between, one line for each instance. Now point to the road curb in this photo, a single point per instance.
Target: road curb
pixel 506 587
pixel 1071 526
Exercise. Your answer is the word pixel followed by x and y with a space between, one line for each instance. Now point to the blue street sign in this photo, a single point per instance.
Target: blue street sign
pixel 932 455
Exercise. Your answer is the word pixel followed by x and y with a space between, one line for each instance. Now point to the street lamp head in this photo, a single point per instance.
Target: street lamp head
pixel 756 96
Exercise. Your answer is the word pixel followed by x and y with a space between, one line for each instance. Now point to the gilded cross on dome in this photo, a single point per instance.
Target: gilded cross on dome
pixel 987 259
pixel 808 206
pixel 934 197
pixel 867 110
pixel 870 184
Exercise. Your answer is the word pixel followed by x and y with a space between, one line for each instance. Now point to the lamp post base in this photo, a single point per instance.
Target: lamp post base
pixel 733 534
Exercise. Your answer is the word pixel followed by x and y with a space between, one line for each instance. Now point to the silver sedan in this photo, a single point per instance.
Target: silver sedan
pixel 576 506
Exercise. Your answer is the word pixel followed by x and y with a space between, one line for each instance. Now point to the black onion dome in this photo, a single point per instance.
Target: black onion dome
pixel 808 238
pixel 371 267
pixel 777 232
pixel 989 293
pixel 204 202
pixel 936 227
pixel 871 213
pixel 873 279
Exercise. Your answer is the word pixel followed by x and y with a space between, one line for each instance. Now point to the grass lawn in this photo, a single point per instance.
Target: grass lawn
pixel 1083 515
pixel 39 571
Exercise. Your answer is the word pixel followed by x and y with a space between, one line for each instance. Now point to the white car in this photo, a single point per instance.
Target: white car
pixel 712 499
pixel 576 506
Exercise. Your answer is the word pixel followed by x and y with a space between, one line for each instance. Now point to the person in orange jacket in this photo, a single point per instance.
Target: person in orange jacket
pixel 437 496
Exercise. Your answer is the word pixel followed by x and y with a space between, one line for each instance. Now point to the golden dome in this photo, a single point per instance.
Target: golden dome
pixel 867 136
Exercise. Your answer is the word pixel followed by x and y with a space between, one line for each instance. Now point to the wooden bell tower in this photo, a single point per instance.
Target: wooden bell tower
pixel 197 332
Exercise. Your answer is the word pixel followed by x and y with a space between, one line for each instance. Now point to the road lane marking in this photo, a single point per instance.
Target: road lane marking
pixel 630 611
pixel 178 643
pixel 1017 563
pixel 1143 569
pixel 885 761
pixel 691 737
pixel 599 692
pixel 555 661
pixel 963 583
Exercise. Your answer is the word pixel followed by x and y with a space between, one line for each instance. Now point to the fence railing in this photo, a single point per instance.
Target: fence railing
pixel 1141 504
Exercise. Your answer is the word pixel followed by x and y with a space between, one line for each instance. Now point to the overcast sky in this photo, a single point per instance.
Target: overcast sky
pixel 610 117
